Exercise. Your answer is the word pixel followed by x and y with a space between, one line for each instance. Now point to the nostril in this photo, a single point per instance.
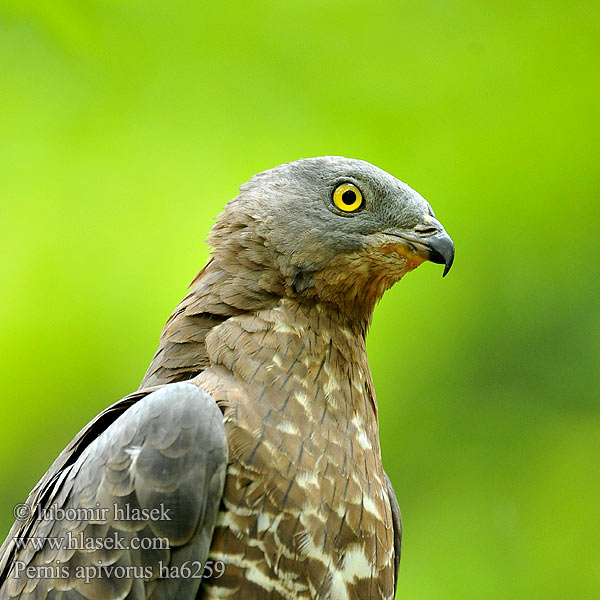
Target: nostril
pixel 426 230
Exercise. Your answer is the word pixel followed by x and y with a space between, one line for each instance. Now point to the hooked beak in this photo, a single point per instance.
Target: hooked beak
pixel 428 240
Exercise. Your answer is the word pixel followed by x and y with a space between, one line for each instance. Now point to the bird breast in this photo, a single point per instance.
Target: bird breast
pixel 305 509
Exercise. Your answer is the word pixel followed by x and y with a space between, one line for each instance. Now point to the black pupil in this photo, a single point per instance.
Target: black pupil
pixel 349 197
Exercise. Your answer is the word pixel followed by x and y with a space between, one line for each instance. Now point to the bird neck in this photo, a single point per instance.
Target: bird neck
pixel 239 281
pixel 231 284
pixel 296 359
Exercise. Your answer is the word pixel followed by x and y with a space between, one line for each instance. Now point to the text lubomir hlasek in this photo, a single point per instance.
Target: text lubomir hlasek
pixel 99 513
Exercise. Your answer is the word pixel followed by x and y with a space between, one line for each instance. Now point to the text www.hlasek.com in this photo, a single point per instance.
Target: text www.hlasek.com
pixel 80 542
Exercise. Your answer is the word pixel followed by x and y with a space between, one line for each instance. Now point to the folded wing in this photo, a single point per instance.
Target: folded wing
pixel 123 502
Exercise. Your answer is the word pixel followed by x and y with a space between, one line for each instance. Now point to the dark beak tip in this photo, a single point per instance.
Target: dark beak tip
pixel 441 251
pixel 447 268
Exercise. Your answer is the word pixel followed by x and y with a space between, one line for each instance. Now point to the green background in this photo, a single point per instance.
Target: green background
pixel 125 127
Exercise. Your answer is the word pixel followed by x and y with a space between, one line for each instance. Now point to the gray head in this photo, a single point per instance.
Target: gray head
pixel 335 228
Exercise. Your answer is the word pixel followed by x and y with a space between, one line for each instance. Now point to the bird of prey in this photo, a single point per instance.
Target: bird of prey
pixel 247 465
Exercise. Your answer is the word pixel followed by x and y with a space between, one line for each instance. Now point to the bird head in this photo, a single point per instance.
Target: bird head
pixel 331 229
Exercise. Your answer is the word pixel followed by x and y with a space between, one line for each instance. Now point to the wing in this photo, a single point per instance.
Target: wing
pixel 397 521
pixel 132 500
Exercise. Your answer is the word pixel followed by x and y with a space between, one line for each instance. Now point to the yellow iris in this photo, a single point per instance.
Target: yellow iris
pixel 347 197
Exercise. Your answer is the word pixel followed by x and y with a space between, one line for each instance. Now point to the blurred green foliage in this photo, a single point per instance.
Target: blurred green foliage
pixel 126 125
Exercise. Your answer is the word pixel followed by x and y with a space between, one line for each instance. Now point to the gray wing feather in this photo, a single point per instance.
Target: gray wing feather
pixel 397 521
pixel 150 483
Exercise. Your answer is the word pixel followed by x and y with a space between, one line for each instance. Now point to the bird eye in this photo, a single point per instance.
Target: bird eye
pixel 347 197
